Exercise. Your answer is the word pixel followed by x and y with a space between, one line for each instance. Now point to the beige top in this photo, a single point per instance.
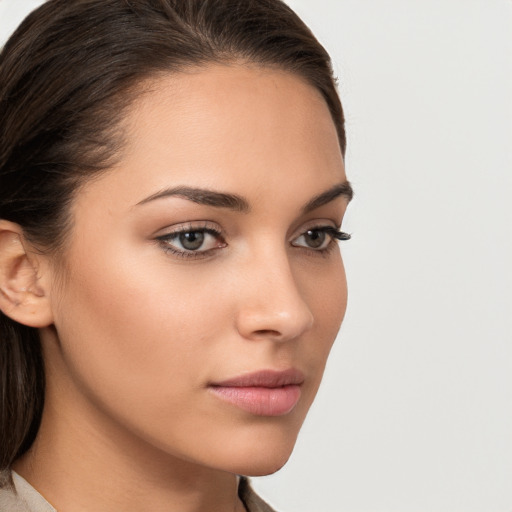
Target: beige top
pixel 17 495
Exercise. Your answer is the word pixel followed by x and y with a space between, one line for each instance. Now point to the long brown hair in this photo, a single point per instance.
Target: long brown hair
pixel 67 76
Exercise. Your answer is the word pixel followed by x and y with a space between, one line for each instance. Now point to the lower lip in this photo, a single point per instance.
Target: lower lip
pixel 260 401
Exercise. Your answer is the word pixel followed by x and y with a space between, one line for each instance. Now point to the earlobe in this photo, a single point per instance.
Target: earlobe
pixel 23 296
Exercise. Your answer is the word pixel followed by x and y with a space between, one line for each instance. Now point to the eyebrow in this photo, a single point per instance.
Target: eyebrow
pixel 203 196
pixel 341 190
pixel 239 204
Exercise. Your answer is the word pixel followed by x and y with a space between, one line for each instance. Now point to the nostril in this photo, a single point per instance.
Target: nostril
pixel 267 332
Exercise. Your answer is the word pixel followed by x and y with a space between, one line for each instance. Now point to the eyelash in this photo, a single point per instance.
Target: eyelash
pixel 165 240
pixel 335 234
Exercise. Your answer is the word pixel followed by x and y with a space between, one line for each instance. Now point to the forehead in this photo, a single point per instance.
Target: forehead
pixel 239 128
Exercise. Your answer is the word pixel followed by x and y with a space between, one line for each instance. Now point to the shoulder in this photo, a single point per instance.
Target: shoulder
pixel 9 499
pixel 252 502
pixel 17 495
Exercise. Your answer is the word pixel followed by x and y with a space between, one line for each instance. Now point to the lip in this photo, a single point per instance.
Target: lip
pixel 262 393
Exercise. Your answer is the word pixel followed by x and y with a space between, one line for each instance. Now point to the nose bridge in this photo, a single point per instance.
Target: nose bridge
pixel 273 304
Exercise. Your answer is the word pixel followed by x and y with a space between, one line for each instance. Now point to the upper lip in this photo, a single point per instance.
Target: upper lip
pixel 264 379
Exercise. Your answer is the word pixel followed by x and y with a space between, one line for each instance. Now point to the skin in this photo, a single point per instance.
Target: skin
pixel 137 333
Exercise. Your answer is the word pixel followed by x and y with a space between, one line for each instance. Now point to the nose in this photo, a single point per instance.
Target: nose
pixel 271 305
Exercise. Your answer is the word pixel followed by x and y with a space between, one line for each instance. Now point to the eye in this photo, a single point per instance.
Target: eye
pixel 319 238
pixel 192 241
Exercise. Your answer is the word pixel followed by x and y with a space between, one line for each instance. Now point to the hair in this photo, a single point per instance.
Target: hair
pixel 67 76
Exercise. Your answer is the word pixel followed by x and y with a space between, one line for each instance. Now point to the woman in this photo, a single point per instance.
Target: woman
pixel 171 194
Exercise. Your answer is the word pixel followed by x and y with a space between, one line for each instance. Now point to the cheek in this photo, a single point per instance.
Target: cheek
pixel 325 291
pixel 131 323
pixel 140 339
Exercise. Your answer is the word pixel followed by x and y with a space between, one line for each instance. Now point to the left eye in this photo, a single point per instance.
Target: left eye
pixel 319 238
pixel 313 239
pixel 199 240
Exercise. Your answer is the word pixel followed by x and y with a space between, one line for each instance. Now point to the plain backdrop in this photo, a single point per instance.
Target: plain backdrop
pixel 415 412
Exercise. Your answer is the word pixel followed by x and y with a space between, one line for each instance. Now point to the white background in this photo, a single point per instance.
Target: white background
pixel 415 413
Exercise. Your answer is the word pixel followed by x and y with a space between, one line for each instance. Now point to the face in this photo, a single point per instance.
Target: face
pixel 203 285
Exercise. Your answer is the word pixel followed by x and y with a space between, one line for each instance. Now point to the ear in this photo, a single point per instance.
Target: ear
pixel 23 296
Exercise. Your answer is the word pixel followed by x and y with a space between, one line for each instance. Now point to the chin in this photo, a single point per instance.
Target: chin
pixel 259 455
pixel 265 468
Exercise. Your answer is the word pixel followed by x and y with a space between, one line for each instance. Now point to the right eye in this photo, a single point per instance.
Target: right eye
pixel 192 241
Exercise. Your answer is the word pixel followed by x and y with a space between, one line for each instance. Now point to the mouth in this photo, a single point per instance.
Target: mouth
pixel 262 393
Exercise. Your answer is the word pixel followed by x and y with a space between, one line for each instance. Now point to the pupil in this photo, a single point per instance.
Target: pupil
pixel 192 240
pixel 315 239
